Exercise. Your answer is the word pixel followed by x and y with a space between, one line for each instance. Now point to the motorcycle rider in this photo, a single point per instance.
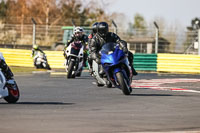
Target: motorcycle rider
pixel 35 51
pixel 94 31
pixel 79 36
pixel 104 36
pixel 5 68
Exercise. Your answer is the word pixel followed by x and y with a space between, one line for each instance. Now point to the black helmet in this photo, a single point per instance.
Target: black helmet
pixel 94 27
pixel 102 29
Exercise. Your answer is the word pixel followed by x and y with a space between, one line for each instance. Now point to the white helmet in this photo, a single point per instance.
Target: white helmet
pixel 78 32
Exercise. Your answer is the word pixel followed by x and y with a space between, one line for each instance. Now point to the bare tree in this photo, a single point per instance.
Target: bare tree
pixel 19 11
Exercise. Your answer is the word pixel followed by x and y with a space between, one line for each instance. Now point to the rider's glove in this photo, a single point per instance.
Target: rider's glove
pixel 64 54
pixel 125 50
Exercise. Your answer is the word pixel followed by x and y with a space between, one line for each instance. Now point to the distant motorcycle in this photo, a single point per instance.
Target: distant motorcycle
pixel 116 67
pixel 40 61
pixel 8 88
pixel 74 59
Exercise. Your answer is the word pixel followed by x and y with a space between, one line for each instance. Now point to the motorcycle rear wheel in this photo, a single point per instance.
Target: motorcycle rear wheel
pixel 79 74
pixel 13 93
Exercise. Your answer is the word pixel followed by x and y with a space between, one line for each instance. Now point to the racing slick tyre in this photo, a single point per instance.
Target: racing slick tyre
pixel 70 70
pixel 13 93
pixel 123 84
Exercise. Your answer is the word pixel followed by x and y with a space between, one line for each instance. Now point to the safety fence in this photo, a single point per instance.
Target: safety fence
pixel 171 40
pixel 176 63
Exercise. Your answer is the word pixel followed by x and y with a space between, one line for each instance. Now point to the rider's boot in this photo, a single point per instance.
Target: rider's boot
pixel 133 71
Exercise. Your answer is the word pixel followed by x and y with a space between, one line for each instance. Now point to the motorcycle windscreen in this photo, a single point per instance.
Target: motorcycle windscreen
pixel 108 48
pixel 111 54
pixel 76 48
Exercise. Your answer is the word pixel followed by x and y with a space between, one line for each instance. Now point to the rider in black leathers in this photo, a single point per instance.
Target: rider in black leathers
pixel 104 36
pixel 94 31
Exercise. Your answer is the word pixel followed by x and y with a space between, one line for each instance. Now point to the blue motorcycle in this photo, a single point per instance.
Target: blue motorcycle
pixel 116 66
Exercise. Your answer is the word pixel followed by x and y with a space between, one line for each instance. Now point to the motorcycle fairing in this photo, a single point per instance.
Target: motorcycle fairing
pixel 3 89
pixel 114 60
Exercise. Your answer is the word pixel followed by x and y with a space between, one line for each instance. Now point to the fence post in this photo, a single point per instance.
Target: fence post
pixel 34 31
pixel 156 38
pixel 113 22
pixel 198 41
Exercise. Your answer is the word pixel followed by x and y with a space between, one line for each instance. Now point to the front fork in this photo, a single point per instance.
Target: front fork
pixel 68 60
pixel 114 78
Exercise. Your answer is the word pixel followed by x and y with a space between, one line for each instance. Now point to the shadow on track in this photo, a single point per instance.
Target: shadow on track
pixel 42 103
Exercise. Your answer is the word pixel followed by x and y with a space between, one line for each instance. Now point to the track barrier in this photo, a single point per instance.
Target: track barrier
pixel 22 58
pixel 176 63
pixel 145 62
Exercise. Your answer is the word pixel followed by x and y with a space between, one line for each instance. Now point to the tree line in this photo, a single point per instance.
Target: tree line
pixel 51 12
pixel 62 12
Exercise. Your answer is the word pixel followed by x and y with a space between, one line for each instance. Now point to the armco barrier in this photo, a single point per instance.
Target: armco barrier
pixel 145 62
pixel 19 57
pixel 178 63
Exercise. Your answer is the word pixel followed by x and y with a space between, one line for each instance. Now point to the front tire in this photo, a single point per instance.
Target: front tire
pixel 70 69
pixel 48 67
pixel 108 83
pixel 13 93
pixel 123 83
pixel 79 74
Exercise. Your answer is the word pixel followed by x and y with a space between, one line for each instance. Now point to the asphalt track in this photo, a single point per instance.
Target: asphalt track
pixel 50 103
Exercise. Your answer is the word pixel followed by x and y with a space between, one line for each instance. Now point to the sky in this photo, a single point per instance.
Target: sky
pixel 172 11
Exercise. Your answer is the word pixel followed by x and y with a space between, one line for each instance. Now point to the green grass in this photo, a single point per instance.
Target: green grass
pixel 24 69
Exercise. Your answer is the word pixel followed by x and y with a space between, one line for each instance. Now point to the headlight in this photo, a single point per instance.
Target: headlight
pixel 110 52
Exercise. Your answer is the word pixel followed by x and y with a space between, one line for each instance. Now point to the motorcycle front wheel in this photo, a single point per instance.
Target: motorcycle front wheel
pixel 47 66
pixel 70 69
pixel 123 83
pixel 13 93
